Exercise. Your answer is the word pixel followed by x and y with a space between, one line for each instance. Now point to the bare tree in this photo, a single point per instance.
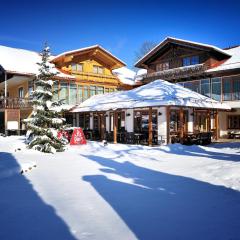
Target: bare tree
pixel 144 49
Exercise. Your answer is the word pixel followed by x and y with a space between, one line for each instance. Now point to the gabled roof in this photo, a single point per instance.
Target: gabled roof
pixel 95 51
pixel 157 93
pixel 140 62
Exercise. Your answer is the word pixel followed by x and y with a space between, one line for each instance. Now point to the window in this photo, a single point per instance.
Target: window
pixel 30 88
pixel 162 66
pixel 80 94
pixel 72 94
pixel 92 90
pixel 231 88
pixel 21 92
pixel 96 122
pixel 85 92
pixel 106 90
pixel 97 69
pixel 195 60
pixel 141 121
pixel 63 94
pixel 194 86
pixel 236 88
pixel 86 121
pixel 233 121
pixel 187 61
pixel 200 121
pixel 227 91
pixel 216 89
pixel 120 121
pixel 181 84
pixel 81 120
pixel 77 67
pixel 100 90
pixel 205 87
pixel 55 90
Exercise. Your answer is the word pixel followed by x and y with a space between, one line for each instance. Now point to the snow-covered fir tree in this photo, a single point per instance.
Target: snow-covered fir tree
pixel 46 119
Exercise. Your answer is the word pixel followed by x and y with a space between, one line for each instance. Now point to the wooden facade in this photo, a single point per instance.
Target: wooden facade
pixel 167 61
pixel 83 73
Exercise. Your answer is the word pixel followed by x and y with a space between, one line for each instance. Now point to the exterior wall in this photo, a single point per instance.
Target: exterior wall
pixel 190 120
pixel 88 77
pixel 223 122
pixel 107 121
pixel 91 122
pixel 13 91
pixel 174 56
pixel 162 124
pixel 129 120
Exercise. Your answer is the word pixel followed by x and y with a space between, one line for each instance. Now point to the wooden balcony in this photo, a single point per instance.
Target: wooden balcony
pixel 176 73
pixel 15 103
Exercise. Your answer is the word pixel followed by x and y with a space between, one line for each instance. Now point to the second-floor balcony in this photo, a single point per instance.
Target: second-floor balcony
pixel 15 103
pixel 176 73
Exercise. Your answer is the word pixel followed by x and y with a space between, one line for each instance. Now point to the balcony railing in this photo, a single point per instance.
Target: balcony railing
pixel 176 73
pixel 15 103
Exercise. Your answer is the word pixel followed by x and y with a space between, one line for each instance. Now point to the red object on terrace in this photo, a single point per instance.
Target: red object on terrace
pixel 78 137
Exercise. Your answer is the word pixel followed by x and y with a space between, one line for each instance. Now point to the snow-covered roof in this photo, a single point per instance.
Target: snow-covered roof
pixel 157 93
pixel 21 61
pixel 125 75
pixel 172 39
pixel 232 63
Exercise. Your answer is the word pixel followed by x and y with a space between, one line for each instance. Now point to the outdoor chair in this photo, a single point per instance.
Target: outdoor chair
pixel 96 135
pixel 109 136
pixel 130 138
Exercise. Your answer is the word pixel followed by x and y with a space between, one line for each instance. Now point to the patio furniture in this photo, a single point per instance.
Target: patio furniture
pixel 121 136
pixel 109 136
pixel 95 135
pixel 130 138
pixel 204 138
pixel 234 134
pixel 138 137
pixel 88 134
pixel 174 137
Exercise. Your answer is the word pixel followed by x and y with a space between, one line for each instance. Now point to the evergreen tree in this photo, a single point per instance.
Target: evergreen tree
pixel 46 119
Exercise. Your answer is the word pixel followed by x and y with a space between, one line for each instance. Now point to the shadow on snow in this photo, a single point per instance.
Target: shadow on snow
pixel 165 206
pixel 23 214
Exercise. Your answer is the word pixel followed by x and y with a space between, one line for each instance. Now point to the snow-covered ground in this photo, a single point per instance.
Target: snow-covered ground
pixel 120 192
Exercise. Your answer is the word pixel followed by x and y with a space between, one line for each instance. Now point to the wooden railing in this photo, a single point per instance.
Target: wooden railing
pixel 15 103
pixel 176 73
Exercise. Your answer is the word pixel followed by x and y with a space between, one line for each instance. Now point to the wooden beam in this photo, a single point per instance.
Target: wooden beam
pixel 208 120
pixel 115 122
pixel 150 128
pixel 217 124
pixel 168 123
pixel 102 126
pixel 181 124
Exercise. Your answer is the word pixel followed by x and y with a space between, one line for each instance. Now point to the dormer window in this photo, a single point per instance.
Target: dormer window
pixel 77 67
pixel 187 61
pixel 162 66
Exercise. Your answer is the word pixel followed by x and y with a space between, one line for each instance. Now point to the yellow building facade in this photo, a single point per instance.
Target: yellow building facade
pixel 82 73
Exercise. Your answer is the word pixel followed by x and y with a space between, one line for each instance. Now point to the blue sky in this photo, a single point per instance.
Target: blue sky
pixel 119 26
